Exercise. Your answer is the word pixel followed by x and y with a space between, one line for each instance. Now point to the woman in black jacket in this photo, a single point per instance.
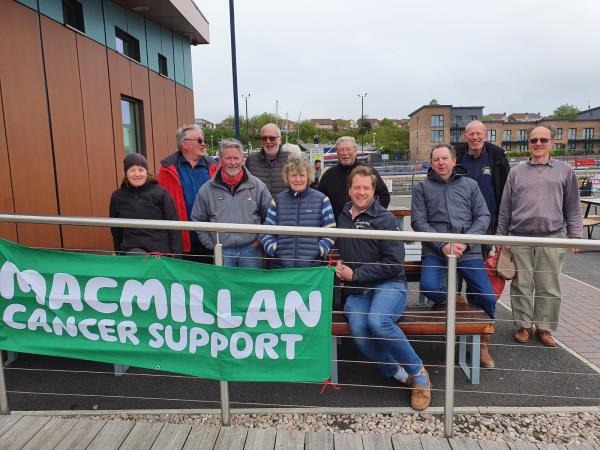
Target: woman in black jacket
pixel 140 197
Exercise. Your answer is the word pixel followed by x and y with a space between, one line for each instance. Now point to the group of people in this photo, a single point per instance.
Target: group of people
pixel 468 190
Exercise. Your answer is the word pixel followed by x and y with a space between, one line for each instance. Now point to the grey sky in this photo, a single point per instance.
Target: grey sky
pixel 314 57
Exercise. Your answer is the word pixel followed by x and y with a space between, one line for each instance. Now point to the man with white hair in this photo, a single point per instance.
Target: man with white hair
pixel 182 174
pixel 233 195
pixel 334 182
pixel 267 164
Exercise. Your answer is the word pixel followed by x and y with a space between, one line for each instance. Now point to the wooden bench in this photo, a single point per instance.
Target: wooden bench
pixel 418 320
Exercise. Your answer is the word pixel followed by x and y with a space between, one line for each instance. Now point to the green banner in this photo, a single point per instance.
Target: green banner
pixel 222 323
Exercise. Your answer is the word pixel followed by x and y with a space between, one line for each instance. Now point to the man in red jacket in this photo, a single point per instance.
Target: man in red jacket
pixel 182 174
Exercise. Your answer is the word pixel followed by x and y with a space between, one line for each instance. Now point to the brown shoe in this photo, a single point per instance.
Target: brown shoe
pixel 485 359
pixel 523 334
pixel 545 338
pixel 421 390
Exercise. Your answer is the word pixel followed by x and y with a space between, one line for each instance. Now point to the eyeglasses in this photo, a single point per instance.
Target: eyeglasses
pixel 535 140
pixel 269 138
pixel 198 140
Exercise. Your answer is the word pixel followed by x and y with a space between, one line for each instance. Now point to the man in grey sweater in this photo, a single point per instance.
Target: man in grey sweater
pixel 541 199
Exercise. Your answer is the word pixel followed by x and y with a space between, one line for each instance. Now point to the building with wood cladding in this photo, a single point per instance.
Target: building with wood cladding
pixel 82 83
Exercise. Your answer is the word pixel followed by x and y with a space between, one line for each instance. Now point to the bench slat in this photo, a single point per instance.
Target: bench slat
pixel 420 321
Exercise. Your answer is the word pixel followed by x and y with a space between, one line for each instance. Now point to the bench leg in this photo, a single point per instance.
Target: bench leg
pixel 10 358
pixel 471 365
pixel 120 369
pixel 334 357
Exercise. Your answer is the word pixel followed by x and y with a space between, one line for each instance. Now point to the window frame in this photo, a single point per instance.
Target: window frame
pixel 73 15
pixel 136 112
pixel 130 46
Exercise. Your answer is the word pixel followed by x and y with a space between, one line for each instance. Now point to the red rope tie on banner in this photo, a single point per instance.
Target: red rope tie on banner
pixel 330 262
pixel 327 382
pixel 158 255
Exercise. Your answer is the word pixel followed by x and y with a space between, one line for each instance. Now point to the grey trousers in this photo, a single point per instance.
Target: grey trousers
pixel 535 292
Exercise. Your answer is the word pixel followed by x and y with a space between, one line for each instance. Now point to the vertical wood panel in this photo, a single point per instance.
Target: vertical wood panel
pixel 68 133
pixel 7 230
pixel 26 121
pixel 171 112
pixel 159 120
pixel 97 116
pixel 120 83
pixel 189 103
pixel 181 107
pixel 141 90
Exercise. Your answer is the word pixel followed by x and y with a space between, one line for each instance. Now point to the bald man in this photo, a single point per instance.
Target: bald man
pixel 267 164
pixel 487 164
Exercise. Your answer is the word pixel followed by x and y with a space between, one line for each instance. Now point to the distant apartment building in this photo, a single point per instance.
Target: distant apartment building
pixel 436 124
pixel 433 124
pixel 206 124
pixel 82 84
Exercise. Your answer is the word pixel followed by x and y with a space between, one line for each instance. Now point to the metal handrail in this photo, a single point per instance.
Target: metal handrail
pixel 317 231
pixel 305 231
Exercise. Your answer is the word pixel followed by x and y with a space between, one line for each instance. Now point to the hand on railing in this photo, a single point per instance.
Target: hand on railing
pixel 459 249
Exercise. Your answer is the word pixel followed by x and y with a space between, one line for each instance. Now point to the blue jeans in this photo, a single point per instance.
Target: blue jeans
pixel 244 256
pixel 373 313
pixel 434 273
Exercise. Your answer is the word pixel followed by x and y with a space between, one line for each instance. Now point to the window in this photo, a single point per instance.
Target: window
pixel 558 146
pixel 522 147
pixel 437 136
pixel 437 121
pixel 506 146
pixel 558 135
pixel 73 14
pixel 588 146
pixel 588 133
pixel 472 118
pixel 127 44
pixel 506 136
pixel 456 136
pixel 492 135
pixel 571 145
pixel 572 133
pixel 131 117
pixel 162 65
pixel 522 135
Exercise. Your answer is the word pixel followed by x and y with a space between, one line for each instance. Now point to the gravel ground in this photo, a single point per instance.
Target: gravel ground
pixel 578 428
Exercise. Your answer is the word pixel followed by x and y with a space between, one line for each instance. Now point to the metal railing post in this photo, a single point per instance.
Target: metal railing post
pixel 224 385
pixel 450 344
pixel 4 408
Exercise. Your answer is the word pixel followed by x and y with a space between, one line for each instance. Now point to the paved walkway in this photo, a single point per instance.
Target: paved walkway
pixel 46 432
pixel 579 317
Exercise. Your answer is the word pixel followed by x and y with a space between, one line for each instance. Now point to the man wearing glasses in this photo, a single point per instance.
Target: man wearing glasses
pixel 267 164
pixel 541 199
pixel 182 174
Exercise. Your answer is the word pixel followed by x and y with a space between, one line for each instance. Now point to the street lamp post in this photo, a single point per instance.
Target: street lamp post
pixel 246 97
pixel 362 122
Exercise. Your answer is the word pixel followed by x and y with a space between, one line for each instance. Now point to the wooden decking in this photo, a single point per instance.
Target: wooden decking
pixel 46 432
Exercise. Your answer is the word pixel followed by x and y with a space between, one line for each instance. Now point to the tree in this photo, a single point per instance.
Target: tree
pixel 433 102
pixel 486 118
pixel 566 111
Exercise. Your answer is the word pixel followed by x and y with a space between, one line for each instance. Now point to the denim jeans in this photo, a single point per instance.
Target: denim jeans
pixel 244 256
pixel 373 313
pixel 434 273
